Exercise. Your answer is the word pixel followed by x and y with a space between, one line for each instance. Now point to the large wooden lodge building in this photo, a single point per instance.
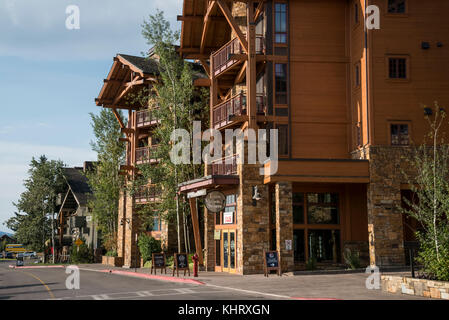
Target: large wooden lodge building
pixel 347 103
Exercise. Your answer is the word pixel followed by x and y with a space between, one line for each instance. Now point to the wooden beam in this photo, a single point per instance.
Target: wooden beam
pixel 206 67
pixel 241 74
pixel 206 23
pixel 117 106
pixel 117 116
pixel 198 18
pixel 127 130
pixel 123 139
pixel 259 10
pixel 234 26
pixel 196 230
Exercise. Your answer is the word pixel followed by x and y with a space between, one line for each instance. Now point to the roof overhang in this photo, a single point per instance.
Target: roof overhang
pixel 319 170
pixel 208 182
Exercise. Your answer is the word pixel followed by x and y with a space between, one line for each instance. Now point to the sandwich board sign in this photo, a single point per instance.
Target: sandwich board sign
pixel 181 262
pixel 158 262
pixel 271 262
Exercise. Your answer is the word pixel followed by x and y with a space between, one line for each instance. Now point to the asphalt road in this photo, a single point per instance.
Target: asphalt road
pixel 39 284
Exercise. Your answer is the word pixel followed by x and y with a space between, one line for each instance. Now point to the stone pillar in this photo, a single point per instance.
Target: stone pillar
pixel 385 230
pixel 120 227
pixel 253 232
pixel 132 256
pixel 284 224
pixel 209 242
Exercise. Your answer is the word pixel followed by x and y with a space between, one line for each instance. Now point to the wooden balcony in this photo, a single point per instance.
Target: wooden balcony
pixel 146 155
pixel 231 110
pixel 224 112
pixel 223 59
pixel 225 166
pixel 148 193
pixel 146 118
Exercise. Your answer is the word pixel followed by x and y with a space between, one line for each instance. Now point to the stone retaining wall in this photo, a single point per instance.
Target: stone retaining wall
pixel 112 261
pixel 416 287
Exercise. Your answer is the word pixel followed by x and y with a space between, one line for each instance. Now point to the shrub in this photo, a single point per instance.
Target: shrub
pixel 111 253
pixel 352 258
pixel 148 245
pixel 311 263
pixel 83 254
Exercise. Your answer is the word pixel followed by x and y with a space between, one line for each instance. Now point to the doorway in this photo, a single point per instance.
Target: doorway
pixel 228 249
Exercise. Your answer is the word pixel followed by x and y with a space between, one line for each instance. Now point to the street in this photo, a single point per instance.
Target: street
pixel 49 283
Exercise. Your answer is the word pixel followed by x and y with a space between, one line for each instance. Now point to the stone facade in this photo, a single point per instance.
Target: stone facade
pixel 253 232
pixel 387 164
pixel 284 224
pixel 417 287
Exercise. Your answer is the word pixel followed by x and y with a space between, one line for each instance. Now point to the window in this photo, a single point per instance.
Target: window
pixel 298 208
pixel 357 75
pixel 157 225
pixel 396 6
pixel 399 134
pixel 280 71
pixel 227 216
pixel 282 139
pixel 322 208
pixel 280 23
pixel 397 68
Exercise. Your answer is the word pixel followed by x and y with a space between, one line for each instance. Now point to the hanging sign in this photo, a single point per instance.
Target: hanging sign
pixel 215 201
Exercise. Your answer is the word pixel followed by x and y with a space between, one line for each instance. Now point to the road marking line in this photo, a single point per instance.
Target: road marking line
pixel 250 291
pixel 184 290
pixel 100 297
pixel 43 283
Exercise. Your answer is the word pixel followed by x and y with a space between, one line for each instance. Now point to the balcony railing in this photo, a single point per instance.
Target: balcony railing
pixel 223 60
pixel 235 106
pixel 146 118
pixel 149 193
pixel 225 166
pixel 146 154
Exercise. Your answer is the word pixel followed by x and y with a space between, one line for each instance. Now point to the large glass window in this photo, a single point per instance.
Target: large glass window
pixel 322 208
pixel 280 71
pixel 299 245
pixel 280 22
pixel 298 208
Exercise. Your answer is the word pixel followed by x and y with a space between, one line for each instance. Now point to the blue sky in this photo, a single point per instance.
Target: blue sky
pixel 49 77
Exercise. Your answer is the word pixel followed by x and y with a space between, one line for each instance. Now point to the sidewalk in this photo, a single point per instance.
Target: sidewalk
pixel 288 286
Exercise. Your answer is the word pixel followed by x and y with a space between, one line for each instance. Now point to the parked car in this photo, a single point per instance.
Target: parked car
pixel 9 255
pixel 29 254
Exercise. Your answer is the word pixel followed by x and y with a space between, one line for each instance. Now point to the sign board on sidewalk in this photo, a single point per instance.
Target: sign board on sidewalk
pixel 181 262
pixel 158 262
pixel 271 262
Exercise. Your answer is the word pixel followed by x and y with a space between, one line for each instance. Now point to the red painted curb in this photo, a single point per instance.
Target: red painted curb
pixel 36 267
pixel 149 276
pixel 300 298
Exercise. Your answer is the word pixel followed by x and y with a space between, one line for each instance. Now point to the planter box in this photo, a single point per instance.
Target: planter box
pixel 112 261
pixel 416 287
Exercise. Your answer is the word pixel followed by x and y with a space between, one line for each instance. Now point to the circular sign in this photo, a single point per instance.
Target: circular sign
pixel 215 201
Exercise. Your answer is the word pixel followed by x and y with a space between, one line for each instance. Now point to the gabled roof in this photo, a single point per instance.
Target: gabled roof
pixel 145 65
pixel 78 184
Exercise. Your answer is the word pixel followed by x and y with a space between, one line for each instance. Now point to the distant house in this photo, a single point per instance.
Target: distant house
pixel 74 219
pixel 8 238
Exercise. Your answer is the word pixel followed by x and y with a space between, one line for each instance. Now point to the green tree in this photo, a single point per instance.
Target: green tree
pixel 147 246
pixel 179 104
pixel 31 224
pixel 431 208
pixel 104 179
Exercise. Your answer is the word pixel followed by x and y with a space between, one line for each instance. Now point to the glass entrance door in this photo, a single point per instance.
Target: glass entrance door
pixel 229 241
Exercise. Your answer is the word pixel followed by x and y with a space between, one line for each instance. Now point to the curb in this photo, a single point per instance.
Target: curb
pixel 300 298
pixel 147 276
pixel 36 267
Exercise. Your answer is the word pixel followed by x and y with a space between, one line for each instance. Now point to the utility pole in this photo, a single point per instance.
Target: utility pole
pixel 53 237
